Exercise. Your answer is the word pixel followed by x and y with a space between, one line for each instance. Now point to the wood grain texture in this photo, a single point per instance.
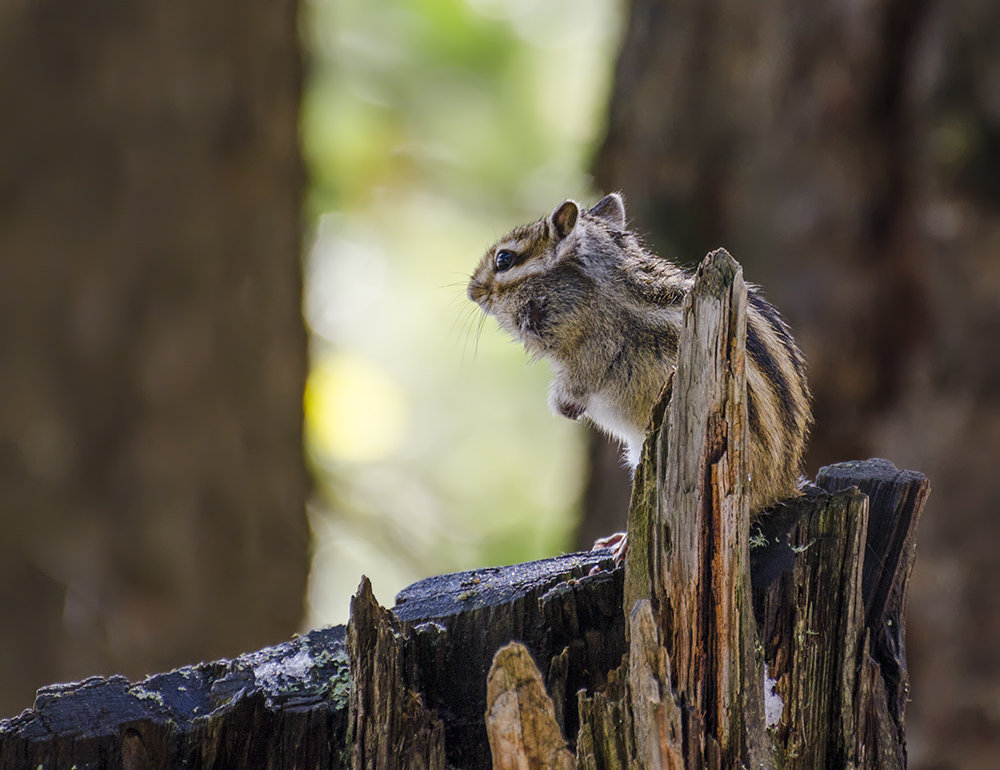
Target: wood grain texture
pixel 520 717
pixel 820 580
pixel 389 725
pixel 287 706
pixel 701 536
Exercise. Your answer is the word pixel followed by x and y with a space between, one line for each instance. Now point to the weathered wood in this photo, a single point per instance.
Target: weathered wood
pixel 872 533
pixel 701 589
pixel 828 573
pixel 282 706
pixel 520 716
pixel 896 499
pixel 657 717
pixel 690 694
pixel 605 740
pixel 696 701
pixel 569 620
pixel 389 725
pixel 814 632
pixel 287 706
pixel 643 504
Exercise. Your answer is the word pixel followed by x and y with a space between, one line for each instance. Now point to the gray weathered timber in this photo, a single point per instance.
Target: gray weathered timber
pixel 272 707
pixel 390 725
pixel 896 499
pixel 569 620
pixel 814 631
pixel 653 665
pixel 287 706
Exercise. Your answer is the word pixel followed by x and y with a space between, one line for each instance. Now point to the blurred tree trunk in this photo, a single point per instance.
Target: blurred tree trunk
pixel 152 484
pixel 605 492
pixel 849 156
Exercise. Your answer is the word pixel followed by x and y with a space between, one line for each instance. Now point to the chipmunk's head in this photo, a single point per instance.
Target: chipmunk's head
pixel 539 279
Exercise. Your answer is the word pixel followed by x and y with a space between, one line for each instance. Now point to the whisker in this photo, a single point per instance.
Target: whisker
pixel 456 319
pixel 473 332
pixel 455 300
pixel 462 326
pixel 479 332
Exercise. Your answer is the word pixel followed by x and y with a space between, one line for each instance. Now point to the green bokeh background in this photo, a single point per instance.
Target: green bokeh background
pixel 429 128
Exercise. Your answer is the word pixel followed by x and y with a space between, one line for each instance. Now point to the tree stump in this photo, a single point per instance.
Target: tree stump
pixel 719 644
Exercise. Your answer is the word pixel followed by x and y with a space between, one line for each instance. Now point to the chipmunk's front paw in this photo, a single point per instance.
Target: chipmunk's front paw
pixel 618 542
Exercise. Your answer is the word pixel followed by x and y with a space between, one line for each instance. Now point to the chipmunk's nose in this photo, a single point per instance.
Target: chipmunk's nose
pixel 476 291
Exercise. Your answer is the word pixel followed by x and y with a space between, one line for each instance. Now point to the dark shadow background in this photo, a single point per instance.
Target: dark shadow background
pixel 152 350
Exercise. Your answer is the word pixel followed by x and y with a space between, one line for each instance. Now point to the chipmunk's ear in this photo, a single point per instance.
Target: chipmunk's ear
pixel 564 218
pixel 611 208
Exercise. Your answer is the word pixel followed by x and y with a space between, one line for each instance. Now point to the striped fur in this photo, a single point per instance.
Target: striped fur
pixel 579 289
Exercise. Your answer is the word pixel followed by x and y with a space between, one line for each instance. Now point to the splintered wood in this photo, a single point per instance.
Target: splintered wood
pixel 520 717
pixel 390 727
pixel 700 536
pixel 656 715
pixel 691 693
pixel 653 666
pixel 689 558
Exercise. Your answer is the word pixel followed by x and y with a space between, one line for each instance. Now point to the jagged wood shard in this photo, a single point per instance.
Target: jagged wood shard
pixel 520 716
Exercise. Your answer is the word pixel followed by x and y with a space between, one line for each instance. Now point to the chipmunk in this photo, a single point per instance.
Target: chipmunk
pixel 580 289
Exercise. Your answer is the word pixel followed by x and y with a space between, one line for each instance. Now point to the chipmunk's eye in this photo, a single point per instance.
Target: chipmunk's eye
pixel 504 260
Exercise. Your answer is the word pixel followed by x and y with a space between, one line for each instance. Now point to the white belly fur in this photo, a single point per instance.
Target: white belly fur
pixel 609 419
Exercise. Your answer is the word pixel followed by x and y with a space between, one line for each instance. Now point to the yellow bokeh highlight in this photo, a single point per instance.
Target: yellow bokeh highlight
pixel 353 410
